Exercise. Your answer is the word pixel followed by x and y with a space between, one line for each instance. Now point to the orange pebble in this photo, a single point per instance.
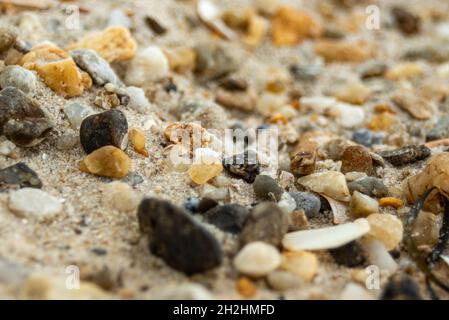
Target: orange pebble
pixel 390 202
pixel 278 118
pixel 246 288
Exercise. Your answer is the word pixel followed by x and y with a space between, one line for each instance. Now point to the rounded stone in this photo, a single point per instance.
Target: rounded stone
pixel 76 113
pixel 308 202
pixel 257 259
pixel 283 280
pixel 120 196
pixel 357 159
pixel 34 203
pixel 148 65
pixel 267 188
pixel 228 217
pixel 137 99
pixel 386 228
pixel 18 77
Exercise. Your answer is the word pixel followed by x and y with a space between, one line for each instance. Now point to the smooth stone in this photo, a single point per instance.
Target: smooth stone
pixel 120 196
pixel 267 188
pixel 177 238
pixel 214 60
pixel 18 77
pixel 303 264
pixel 67 141
pixel 371 186
pixel 386 228
pixel 350 255
pixel 228 217
pixel 357 159
pixel 367 137
pixel 283 280
pixel 349 116
pixel 76 113
pixel 354 291
pixel 378 255
pixel 149 64
pixel 362 205
pixel 185 291
pixel 266 222
pixel 287 203
pixel 7 39
pixel 214 193
pixel 34 203
pixel 137 99
pixel 331 183
pixel 98 68
pixel 257 259
pixel 19 175
pixel 133 179
pixel 308 202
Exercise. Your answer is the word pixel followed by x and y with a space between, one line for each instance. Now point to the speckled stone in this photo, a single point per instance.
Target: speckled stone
pixel 357 159
pixel 18 77
pixel 267 188
pixel 19 175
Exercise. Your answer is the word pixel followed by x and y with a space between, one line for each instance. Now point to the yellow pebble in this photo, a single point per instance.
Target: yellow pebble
pixel 301 263
pixel 107 161
pixel 202 173
pixel 386 228
pixel 382 122
pixel 390 202
pixel 246 288
pixel 137 138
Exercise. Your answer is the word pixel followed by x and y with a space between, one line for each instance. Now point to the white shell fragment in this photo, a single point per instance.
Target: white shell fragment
pixel 209 14
pixel 326 238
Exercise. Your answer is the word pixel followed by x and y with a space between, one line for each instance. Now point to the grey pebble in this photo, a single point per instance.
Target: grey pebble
pixel 76 113
pixel 308 202
pixel 440 130
pixel 18 77
pixel 228 217
pixel 267 188
pixel 19 175
pixel 371 186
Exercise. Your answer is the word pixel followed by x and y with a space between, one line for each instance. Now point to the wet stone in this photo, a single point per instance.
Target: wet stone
pixel 357 159
pixel 406 155
pixel 18 77
pixel 349 255
pixel 245 165
pixel 440 130
pixel 19 175
pixel 267 188
pixel 228 217
pixel 308 202
pixel 174 236
pixel 22 121
pixel 367 137
pixel 267 223
pixel 107 128
pixel 373 187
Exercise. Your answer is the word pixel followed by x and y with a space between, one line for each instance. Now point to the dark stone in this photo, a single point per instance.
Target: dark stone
pixel 406 155
pixel 245 165
pixel 228 217
pixel 155 26
pixel 401 287
pixel 266 222
pixel 206 204
pixel 357 159
pixel 99 251
pixel 440 130
pixel 19 175
pixel 234 84
pixel 406 21
pixel 373 187
pixel 350 255
pixel 267 188
pixel 306 72
pixel 308 202
pixel 367 137
pixel 103 129
pixel 21 119
pixel 177 238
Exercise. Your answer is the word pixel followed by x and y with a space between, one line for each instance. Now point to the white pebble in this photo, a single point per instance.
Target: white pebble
pixel 287 203
pixel 187 291
pixel 18 77
pixel 76 113
pixel 148 65
pixel 137 99
pixel 6 148
pixel 34 203
pixel 257 259
pixel 119 18
pixel 120 196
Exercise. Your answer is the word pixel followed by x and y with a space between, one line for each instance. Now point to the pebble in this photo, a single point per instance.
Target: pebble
pixel 245 165
pixel 327 237
pixel 354 291
pixel 378 255
pixel 191 204
pixel 440 130
pixel 267 188
pixel 286 180
pixel 401 287
pixel 416 106
pixel 57 69
pixel 103 129
pixel 246 288
pixel 155 26
pixel 354 92
pixel 303 158
pixel 22 120
pixel 149 64
pixel 76 113
pixel 426 229
pixel 209 114
pixel 7 148
pixel 306 72
pixel 357 159
pixel 120 196
pixel 391 202
pixel 342 51
pixel 202 173
pixel 367 137
pixel 406 155
pixel 301 263
pixel 67 141
pixel 7 39
pixel 19 175
pixel 362 205
pixel 349 116
pixel 185 291
pixel 330 183
pixel 372 68
pixel 287 203
pixel 107 161
pixel 406 21
pixel 112 44
pixel 98 68
pixel 386 228
pixel 214 60
pixel 133 179
pixel 408 101
pixel 229 217
pixel 177 238
pixel 181 59
pixel 214 193
pixel 18 77
pixel 137 99
pixel 243 101
pixel 34 203
pixel 283 281
pixel 257 259
pixel 350 255
pixel 308 202
pixel 352 176
pixel 267 223
pixel 371 186
pixel 137 139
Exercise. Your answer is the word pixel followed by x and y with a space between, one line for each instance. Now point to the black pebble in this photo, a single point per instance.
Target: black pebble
pixel 228 217
pixel 206 204
pixel 406 155
pixel 19 175
pixel 349 255
pixel 177 238
pixel 103 129
pixel 245 165
pixel 267 188
pixel 401 287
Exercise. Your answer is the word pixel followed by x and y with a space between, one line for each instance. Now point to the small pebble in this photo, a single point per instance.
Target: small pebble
pixel 7 148
pixel 406 155
pixel 440 130
pixel 297 221
pixel 107 161
pixel 214 193
pixel 358 159
pixel 246 288
pixel 229 217
pixel 330 183
pixel 257 259
pixel 103 129
pixel 174 236
pixel 191 204
pixel 367 137
pixel 387 228
pixel 350 255
pixel 303 158
pixel 76 113
pixel 133 179
pixel 401 287
pixel 137 99
pixel 362 205
pixel 137 139
pixel 352 176
pixel 19 175
pixel 203 172
pixel 266 222
pixel 287 203
pixel 303 264
pixel 371 186
pixel 308 202
pixel 354 93
pixel 245 165
pixel 371 69
pixel 426 229
pixel 391 202
pixel 18 77
pixel 67 141
pixel 120 196
pixel 283 281
pixel 214 60
pixel 155 26
pixel 34 203
pixel 98 68
pixel 148 65
pixel 406 21
pixel 7 39
pixel 267 188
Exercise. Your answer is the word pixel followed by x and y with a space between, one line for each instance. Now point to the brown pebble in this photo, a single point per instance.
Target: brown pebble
pixel 406 155
pixel 303 158
pixel 357 159
pixel 406 21
pixel 107 161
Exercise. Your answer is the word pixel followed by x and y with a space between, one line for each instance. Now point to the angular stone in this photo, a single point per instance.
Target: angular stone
pixel 18 77
pixel 406 155
pixel 362 206
pixel 308 202
pixel 19 175
pixel 371 186
pixel 257 259
pixel 137 139
pixel 303 158
pixel 330 183
pixel 386 228
pixel 267 188
pixel 107 161
pixel 426 229
pixel 203 172
pixel 76 113
pixel 103 129
pixel 357 159
pixel 229 217
pixel 245 165
pixel 178 239
pixel 266 222
pixel 34 203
